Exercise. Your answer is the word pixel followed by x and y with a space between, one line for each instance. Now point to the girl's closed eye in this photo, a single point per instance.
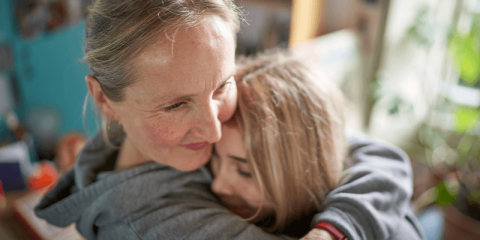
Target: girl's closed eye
pixel 242 167
pixel 243 173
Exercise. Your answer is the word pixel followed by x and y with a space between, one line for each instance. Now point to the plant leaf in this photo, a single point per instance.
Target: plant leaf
pixel 467 57
pixel 465 118
pixel 444 197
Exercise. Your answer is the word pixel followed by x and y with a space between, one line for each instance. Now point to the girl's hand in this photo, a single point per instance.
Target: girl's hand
pixel 318 234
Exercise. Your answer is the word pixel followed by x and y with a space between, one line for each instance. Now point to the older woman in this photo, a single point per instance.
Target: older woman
pixel 162 76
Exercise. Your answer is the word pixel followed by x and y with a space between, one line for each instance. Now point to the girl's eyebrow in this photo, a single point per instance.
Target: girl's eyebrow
pixel 238 159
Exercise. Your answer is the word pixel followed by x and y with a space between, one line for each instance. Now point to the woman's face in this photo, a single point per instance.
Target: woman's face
pixel 184 89
pixel 233 182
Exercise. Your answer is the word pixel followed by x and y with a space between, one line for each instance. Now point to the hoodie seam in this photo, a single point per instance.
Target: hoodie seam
pixel 134 229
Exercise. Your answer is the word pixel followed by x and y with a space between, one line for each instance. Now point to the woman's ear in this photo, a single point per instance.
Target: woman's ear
pixel 100 98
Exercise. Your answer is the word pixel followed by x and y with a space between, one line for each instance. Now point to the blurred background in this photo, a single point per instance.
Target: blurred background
pixel 410 70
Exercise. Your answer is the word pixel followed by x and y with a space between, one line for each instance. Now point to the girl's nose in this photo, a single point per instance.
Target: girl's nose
pixel 221 186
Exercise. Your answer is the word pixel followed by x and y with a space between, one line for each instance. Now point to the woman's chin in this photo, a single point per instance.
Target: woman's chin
pixel 190 160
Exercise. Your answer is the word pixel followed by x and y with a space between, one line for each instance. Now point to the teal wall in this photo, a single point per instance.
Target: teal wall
pixel 58 75
pixel 50 71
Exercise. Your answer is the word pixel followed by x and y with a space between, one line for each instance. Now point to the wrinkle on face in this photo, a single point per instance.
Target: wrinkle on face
pixel 202 59
pixel 157 55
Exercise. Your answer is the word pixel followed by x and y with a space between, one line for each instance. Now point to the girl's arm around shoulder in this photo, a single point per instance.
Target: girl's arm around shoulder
pixel 374 195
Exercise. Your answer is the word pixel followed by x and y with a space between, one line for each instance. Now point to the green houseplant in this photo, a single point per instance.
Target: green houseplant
pixel 442 112
pixel 448 142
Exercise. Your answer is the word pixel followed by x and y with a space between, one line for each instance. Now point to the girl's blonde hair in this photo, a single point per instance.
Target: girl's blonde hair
pixel 292 124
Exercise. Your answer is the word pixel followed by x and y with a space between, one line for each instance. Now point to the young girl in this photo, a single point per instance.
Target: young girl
pixel 282 151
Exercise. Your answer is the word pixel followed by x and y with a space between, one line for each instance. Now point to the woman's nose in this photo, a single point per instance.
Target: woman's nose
pixel 209 127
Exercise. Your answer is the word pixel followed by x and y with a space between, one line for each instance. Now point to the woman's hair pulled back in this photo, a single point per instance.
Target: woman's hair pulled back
pixel 118 30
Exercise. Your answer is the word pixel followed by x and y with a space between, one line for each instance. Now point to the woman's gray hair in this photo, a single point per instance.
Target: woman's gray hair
pixel 118 30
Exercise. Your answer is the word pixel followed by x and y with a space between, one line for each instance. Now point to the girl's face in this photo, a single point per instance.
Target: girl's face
pixel 184 90
pixel 233 182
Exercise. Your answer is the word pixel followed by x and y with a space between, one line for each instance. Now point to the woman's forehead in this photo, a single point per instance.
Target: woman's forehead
pixel 176 43
pixel 196 58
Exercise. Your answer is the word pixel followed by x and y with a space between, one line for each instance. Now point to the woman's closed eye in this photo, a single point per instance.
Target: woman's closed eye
pixel 223 85
pixel 174 106
pixel 221 88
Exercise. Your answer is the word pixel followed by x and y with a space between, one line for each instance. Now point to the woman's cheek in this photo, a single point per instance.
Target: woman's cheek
pixel 163 136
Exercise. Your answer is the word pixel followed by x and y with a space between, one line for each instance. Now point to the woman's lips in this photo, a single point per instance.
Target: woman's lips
pixel 196 146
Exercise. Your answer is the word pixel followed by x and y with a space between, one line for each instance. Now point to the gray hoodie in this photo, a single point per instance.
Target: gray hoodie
pixel 154 201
